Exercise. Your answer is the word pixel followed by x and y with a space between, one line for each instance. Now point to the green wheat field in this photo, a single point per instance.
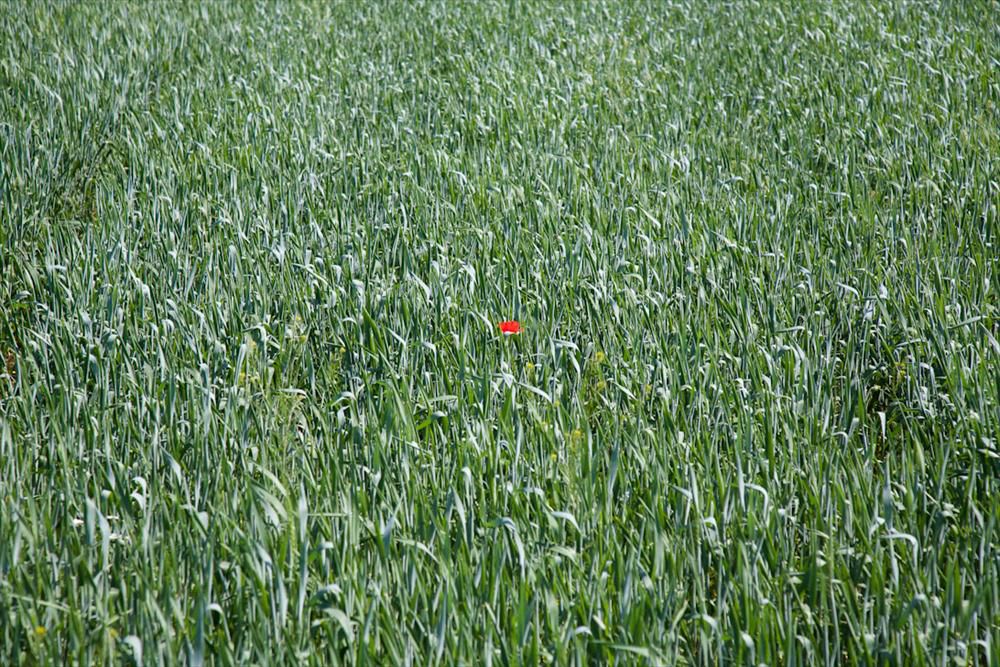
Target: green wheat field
pixel 256 407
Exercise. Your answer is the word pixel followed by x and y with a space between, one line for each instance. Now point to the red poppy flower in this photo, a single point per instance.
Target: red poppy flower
pixel 510 327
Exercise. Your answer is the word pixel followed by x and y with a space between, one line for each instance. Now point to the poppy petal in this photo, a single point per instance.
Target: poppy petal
pixel 509 327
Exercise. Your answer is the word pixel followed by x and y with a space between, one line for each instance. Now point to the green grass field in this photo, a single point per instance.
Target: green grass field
pixel 255 406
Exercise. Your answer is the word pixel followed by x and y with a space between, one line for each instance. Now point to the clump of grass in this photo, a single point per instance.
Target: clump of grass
pixel 254 407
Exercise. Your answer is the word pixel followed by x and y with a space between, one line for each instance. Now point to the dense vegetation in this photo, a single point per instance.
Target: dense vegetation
pixel 255 406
